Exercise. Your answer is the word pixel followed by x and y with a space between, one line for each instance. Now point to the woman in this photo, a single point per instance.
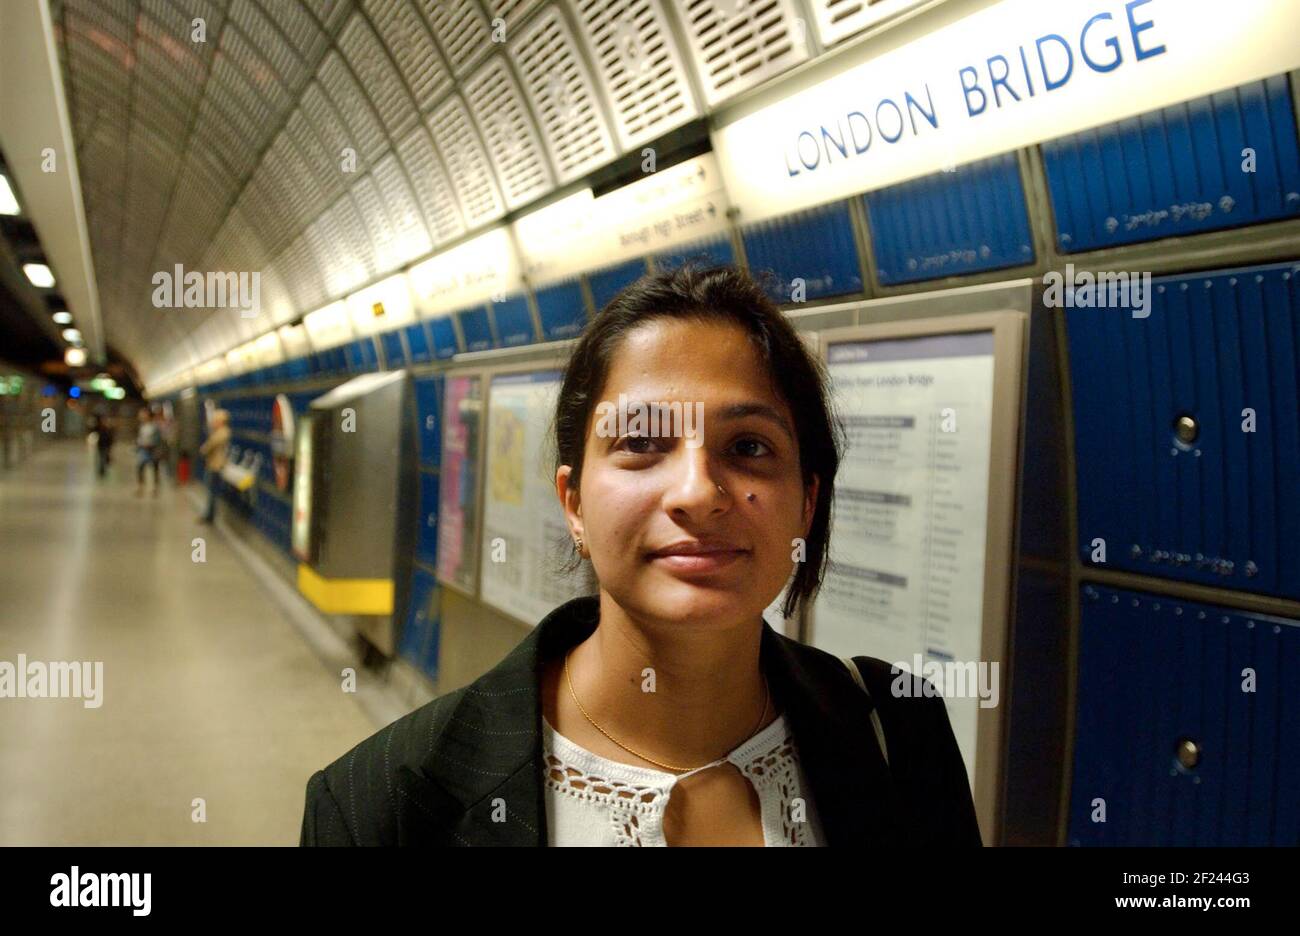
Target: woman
pixel 665 710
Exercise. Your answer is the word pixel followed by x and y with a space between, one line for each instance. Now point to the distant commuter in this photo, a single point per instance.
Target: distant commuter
pixel 148 449
pixel 665 710
pixel 214 453
pixel 102 426
pixel 167 450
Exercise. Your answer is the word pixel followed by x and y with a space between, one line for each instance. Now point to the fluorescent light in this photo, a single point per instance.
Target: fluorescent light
pixel 39 274
pixel 72 336
pixel 74 357
pixel 8 203
pixel 62 318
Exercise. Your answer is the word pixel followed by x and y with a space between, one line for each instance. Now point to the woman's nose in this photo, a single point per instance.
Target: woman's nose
pixel 694 486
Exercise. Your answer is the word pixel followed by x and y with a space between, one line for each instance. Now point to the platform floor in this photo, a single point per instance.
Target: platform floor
pixel 208 690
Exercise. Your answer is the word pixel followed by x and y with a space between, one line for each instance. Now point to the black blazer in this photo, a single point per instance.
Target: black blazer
pixel 440 775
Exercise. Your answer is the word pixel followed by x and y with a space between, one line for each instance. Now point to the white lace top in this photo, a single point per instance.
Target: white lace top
pixel 591 800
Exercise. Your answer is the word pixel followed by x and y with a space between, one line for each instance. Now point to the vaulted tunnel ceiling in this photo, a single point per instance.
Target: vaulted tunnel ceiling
pixel 217 134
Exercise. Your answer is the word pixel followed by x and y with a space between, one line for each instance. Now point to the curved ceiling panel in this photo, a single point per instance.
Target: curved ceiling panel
pixel 563 96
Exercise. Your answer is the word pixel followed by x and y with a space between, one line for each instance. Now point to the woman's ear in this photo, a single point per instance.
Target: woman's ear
pixel 810 504
pixel 570 500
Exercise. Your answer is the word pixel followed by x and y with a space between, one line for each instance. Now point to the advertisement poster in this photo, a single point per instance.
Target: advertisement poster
pixel 462 422
pixel 525 536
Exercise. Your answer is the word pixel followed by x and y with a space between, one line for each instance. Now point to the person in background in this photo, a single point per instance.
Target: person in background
pixel 167 448
pixel 148 443
pixel 103 427
pixel 214 454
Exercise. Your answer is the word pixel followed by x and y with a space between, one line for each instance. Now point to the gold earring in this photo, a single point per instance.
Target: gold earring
pixel 578 541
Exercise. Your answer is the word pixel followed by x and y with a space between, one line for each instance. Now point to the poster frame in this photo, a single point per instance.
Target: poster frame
pixel 490 372
pixel 1009 330
pixel 477 458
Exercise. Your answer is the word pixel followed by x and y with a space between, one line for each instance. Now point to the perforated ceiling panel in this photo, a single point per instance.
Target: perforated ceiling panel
pixel 412 47
pixel 409 232
pixel 516 154
pixel 286 34
pixel 461 29
pixel 365 195
pixel 562 95
pixel 364 132
pixel 432 188
pixel 377 74
pixel 510 12
pixel 737 44
pixel 467 164
pixel 839 19
pixel 640 67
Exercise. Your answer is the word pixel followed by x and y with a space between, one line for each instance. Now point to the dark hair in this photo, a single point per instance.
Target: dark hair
pixel 709 294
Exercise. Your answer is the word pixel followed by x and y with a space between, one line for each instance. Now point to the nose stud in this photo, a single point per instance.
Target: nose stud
pixel 749 497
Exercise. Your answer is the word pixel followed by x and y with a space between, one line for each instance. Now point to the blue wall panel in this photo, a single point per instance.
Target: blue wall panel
pixel 426 543
pixel 972 220
pixel 394 353
pixel 513 321
pixel 418 344
pixel 443 332
pixel 817 246
pixel 1154 671
pixel 419 640
pixel 428 395
pixel 476 328
pixel 708 252
pixel 369 354
pixel 561 310
pixel 1178 171
pixel 605 284
pixel 1217 347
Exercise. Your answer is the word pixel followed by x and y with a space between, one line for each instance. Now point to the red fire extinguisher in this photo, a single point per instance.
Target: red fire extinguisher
pixel 183 468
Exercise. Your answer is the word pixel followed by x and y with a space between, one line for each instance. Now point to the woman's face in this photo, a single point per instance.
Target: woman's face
pixel 695 530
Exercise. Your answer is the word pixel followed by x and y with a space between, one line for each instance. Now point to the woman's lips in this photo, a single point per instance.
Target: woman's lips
pixel 699 562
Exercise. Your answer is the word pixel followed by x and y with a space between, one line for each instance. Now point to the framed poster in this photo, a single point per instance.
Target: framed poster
pixel 458 487
pixel 525 534
pixel 302 542
pixel 921 554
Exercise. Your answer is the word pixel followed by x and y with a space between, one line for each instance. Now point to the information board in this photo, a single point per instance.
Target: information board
pixel 920 559
pixel 462 424
pixel 525 535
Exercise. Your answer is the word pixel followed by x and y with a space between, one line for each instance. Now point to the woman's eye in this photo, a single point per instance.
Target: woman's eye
pixel 637 445
pixel 751 448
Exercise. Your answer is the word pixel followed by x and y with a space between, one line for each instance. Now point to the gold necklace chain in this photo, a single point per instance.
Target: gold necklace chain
pixel 767 697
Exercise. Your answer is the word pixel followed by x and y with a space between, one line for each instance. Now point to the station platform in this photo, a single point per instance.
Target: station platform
pixel 209 690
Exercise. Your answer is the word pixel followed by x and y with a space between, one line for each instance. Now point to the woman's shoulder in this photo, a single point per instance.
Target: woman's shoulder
pixel 355 799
